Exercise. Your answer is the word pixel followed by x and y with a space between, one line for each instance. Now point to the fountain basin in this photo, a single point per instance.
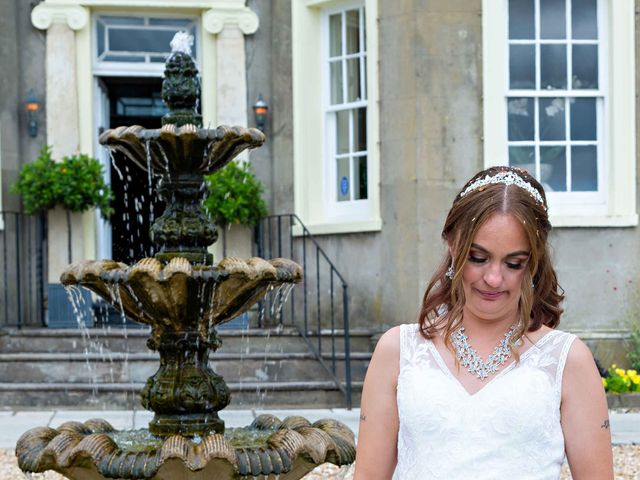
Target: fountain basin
pixel 267 449
pixel 180 296
pixel 185 150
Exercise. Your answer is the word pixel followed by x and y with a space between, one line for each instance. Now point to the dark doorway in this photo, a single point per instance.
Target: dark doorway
pixel 133 101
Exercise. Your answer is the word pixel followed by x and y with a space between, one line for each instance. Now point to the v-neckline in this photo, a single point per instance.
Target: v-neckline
pixel 448 373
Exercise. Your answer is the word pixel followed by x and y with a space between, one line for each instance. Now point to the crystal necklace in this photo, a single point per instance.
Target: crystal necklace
pixel 470 359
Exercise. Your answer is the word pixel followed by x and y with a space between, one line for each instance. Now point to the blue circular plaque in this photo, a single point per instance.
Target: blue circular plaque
pixel 344 185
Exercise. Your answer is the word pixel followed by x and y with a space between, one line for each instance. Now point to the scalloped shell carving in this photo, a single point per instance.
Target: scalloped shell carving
pixel 288 451
pixel 180 295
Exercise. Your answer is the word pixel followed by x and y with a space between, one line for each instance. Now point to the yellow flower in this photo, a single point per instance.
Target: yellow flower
pixel 621 372
pixel 604 382
pixel 631 372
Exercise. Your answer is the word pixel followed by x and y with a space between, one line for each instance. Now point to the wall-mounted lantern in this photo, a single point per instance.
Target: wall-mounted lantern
pixel 261 110
pixel 32 106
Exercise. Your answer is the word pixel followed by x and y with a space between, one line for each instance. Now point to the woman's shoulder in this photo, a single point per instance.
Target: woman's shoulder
pixel 544 334
pixel 390 342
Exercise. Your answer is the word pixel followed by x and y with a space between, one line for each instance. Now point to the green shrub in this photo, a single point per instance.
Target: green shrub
pixel 621 381
pixel 235 196
pixel 76 184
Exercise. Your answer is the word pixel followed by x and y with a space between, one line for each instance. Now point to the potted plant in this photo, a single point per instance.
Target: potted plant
pixel 235 204
pixel 63 189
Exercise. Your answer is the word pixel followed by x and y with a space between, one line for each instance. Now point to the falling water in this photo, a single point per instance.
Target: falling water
pixel 147 147
pixel 77 302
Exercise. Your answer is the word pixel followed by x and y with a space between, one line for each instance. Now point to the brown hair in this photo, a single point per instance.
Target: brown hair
pixel 541 295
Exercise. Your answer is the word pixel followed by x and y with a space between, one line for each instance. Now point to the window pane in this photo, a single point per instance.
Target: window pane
pixel 353 31
pixel 353 80
pixel 523 157
pixel 135 40
pixel 342 131
pixel 343 178
pixel 583 119
pixel 363 86
pixel 123 58
pixel 521 15
pixel 335 35
pixel 551 114
pixel 584 168
pixel 553 168
pixel 336 82
pixel 360 130
pixel 113 20
pixel 172 22
pixel 585 66
pixel 584 19
pixel 552 19
pixel 522 66
pixel 360 178
pixel 100 34
pixel 520 119
pixel 553 66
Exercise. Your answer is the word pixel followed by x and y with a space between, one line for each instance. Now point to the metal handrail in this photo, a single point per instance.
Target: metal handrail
pixel 270 244
pixel 22 252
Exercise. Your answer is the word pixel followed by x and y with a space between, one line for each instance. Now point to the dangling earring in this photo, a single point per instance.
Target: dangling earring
pixel 450 271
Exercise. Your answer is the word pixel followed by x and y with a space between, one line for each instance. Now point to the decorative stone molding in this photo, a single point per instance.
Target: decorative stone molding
pixel 44 14
pixel 231 13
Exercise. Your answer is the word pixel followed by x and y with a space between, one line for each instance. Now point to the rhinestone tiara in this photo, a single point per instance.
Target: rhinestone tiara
pixel 506 177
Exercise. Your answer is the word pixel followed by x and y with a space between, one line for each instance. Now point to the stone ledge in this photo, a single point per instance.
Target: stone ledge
pixel 623 400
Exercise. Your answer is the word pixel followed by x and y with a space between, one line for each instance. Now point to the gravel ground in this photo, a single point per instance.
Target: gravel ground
pixel 626 461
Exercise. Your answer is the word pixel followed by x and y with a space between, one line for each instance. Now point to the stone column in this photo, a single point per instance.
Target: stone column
pixel 61 21
pixel 230 21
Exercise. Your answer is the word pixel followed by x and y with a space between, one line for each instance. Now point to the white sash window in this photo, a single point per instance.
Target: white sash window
pixel 551 103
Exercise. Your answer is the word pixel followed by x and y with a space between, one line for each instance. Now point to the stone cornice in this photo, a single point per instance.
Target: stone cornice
pixel 230 13
pixel 44 14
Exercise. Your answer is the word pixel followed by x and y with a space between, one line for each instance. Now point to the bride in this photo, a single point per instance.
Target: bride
pixel 483 386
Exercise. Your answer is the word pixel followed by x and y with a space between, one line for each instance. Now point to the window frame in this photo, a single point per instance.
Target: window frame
pixel 353 207
pixel 156 69
pixel 313 184
pixel 617 203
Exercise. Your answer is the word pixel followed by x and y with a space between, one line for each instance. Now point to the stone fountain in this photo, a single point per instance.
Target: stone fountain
pixel 182 295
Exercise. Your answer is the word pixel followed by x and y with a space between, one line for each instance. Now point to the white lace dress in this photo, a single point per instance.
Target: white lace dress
pixel 510 429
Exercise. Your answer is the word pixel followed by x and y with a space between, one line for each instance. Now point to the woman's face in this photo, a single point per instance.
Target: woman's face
pixel 492 275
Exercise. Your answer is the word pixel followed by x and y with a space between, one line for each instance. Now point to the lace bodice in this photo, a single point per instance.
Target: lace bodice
pixel 509 429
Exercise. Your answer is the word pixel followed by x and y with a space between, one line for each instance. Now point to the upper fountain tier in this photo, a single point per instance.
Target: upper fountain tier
pixel 181 146
pixel 178 151
pixel 181 153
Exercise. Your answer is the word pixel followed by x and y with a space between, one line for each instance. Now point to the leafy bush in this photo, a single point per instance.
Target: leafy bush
pixel 235 196
pixel 621 381
pixel 76 183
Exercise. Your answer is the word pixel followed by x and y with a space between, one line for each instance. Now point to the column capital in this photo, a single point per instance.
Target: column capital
pixel 44 14
pixel 227 13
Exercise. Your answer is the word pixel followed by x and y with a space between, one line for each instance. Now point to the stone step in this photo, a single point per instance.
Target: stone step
pixel 137 367
pixel 135 340
pixel 316 394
